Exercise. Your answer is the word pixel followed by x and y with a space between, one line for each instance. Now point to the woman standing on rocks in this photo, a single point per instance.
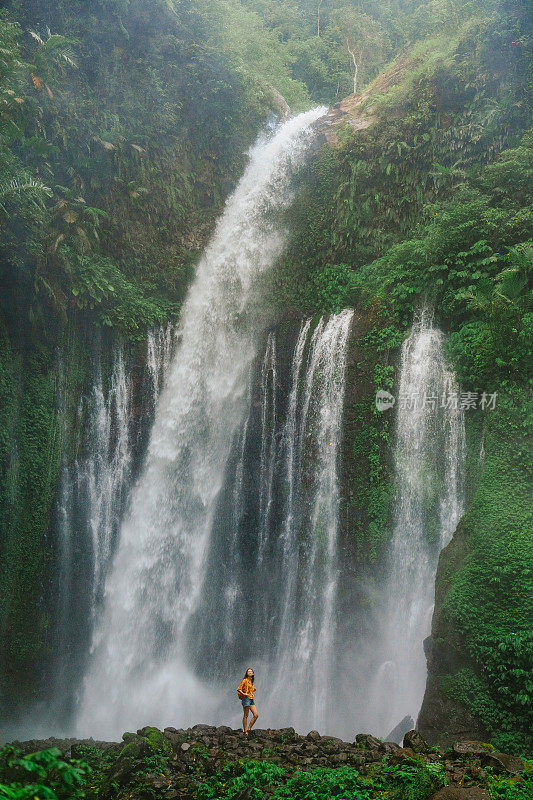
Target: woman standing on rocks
pixel 246 691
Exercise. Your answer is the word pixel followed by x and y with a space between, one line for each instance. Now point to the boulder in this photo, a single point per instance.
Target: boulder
pixel 401 754
pixel 389 747
pixel 503 762
pixel 313 736
pixel 413 740
pixel 279 103
pixel 461 793
pixel 367 741
pixel 287 734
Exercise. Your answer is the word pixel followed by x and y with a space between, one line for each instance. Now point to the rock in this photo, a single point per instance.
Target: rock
pixel 156 781
pixel 416 742
pixel 397 733
pixel 368 741
pixel 132 749
pixel 204 728
pixel 185 746
pixel 477 773
pixel 401 754
pixel 287 734
pixel 279 103
pixel 461 793
pixel 313 736
pixel 503 762
pixel 389 747
pixel 471 747
pixel 223 730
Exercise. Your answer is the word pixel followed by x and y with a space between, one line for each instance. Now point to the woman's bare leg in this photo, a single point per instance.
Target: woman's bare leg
pixel 244 717
pixel 255 713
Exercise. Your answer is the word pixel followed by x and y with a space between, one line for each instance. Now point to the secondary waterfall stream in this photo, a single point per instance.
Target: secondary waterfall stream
pixel 99 455
pixel 429 457
pixel 139 668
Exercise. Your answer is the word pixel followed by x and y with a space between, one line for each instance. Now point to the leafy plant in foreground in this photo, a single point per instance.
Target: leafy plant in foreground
pixel 45 775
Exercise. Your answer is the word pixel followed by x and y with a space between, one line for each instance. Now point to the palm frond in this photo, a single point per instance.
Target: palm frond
pixel 25 186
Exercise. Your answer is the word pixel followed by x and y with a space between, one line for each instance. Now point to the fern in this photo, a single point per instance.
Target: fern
pixel 26 187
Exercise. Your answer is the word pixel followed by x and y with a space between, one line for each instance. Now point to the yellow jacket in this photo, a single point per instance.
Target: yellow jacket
pixel 246 687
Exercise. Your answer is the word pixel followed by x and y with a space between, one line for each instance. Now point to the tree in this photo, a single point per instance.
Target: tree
pixel 363 39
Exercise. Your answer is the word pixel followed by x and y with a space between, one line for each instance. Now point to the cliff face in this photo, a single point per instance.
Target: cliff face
pixel 478 652
pixel 443 720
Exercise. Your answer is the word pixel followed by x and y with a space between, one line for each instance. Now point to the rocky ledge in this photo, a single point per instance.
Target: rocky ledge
pixel 204 750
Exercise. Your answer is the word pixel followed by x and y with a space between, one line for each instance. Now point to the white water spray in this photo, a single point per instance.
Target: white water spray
pixel 309 565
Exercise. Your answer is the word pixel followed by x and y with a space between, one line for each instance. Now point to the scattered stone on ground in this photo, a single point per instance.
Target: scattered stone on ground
pixel 461 793
pixel 211 747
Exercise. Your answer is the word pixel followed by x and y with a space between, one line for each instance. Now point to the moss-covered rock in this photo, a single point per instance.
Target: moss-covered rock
pixel 480 651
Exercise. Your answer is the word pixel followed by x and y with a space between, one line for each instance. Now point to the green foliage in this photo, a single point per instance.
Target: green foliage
pixel 422 202
pixel 45 775
pixel 343 783
pixel 472 257
pixel 130 186
pixel 512 788
pixel 29 476
pixel 234 778
pixel 369 434
pixel 412 780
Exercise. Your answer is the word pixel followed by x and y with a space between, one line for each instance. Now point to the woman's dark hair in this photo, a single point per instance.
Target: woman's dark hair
pixel 246 675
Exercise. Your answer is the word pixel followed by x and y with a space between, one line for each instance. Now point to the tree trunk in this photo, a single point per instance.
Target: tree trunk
pixel 355 68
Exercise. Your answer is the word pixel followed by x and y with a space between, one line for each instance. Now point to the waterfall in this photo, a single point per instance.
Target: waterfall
pixel 309 562
pixel 429 459
pixel 99 451
pixel 104 474
pixel 160 347
pixel 140 667
pixel 275 589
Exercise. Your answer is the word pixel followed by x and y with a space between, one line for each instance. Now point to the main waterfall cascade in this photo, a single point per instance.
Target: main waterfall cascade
pixel 139 668
pixel 429 458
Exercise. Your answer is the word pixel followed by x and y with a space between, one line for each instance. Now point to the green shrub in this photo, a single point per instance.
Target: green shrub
pixel 236 777
pixel 45 775
pixel 412 780
pixel 342 783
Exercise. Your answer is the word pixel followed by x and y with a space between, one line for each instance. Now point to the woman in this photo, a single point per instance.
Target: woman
pixel 246 691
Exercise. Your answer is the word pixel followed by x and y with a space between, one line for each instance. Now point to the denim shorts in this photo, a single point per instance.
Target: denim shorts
pixel 247 702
